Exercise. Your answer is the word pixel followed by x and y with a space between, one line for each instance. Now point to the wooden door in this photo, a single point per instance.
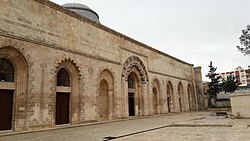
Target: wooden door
pixel 6 105
pixel 62 108
pixel 131 104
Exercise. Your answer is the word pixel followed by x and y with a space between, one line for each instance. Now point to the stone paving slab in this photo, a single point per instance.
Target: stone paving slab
pixel 192 134
pixel 211 120
pixel 184 126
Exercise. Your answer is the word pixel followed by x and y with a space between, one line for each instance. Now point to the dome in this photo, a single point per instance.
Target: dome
pixel 82 10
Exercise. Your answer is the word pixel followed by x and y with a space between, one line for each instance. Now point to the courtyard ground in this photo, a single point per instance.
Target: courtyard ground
pixel 193 126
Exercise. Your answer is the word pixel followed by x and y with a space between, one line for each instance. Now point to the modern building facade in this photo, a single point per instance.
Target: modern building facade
pixel 58 67
pixel 242 75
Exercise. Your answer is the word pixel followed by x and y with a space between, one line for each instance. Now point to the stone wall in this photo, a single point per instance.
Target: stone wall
pixel 49 38
pixel 240 104
pixel 199 89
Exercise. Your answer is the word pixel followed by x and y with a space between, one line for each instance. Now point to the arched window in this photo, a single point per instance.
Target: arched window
pixel 131 82
pixel 6 71
pixel 63 78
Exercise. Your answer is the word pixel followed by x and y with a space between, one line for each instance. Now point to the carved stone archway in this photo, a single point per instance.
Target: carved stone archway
pixel 135 62
pixel 134 97
pixel 73 89
pixel 18 87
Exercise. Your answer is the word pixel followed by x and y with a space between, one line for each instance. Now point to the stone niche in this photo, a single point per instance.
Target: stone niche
pixel 240 103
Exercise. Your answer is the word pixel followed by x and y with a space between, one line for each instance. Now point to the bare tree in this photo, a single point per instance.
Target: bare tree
pixel 245 41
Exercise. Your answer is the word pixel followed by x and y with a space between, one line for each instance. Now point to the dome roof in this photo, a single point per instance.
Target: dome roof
pixel 82 10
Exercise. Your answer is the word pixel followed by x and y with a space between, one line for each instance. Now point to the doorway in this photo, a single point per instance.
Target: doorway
pixel 180 104
pixel 155 101
pixel 6 104
pixel 131 104
pixel 103 100
pixel 169 104
pixel 62 108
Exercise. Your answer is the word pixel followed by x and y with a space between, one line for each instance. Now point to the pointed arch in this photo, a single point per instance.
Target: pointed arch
pixel 63 78
pixel 181 97
pixel 103 100
pixel 131 82
pixel 17 86
pixel 156 96
pixel 135 62
pixel 6 71
pixel 106 100
pixel 170 97
pixel 191 98
pixel 134 68
pixel 133 94
pixel 68 93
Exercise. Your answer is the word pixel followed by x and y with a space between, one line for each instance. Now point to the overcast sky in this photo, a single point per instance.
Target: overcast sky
pixel 195 31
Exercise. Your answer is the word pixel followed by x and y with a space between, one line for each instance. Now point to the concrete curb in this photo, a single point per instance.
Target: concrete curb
pixel 201 125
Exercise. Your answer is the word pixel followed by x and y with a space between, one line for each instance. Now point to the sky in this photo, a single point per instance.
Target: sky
pixel 195 31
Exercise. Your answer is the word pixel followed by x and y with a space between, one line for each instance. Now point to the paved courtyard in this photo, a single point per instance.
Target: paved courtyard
pixel 195 126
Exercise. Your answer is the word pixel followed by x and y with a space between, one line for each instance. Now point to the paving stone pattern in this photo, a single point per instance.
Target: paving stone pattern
pixel 202 126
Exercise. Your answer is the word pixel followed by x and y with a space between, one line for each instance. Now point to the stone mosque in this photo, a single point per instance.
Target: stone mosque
pixel 60 66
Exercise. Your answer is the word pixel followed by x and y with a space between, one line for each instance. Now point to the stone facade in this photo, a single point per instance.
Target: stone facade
pixel 103 75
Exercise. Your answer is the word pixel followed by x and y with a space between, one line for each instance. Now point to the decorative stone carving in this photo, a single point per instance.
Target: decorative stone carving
pixel 132 62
